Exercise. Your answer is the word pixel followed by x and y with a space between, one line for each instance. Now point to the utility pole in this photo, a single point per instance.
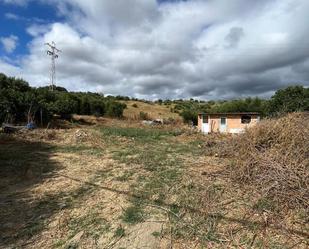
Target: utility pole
pixel 52 51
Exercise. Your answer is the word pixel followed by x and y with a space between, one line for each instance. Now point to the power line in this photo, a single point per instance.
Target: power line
pixel 52 52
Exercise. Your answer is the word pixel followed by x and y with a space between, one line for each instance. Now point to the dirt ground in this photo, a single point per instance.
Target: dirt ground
pixel 127 186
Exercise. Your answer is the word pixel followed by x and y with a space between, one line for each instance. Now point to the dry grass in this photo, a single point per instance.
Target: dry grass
pixel 119 184
pixel 274 158
pixel 154 111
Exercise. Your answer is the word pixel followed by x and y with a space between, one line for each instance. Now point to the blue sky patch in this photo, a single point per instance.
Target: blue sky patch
pixel 16 19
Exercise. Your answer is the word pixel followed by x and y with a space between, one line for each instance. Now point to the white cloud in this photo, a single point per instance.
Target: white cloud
pixel 15 2
pixel 9 43
pixel 11 16
pixel 206 49
pixel 37 29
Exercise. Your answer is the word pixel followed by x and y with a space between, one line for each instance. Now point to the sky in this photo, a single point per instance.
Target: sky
pixel 202 49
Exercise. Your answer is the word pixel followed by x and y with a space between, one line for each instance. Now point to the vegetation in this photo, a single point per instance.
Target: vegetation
pixel 273 157
pixel 19 102
pixel 143 116
pixel 123 184
pixel 189 116
pixel 132 215
pixel 290 99
pixel 241 105
pixel 115 184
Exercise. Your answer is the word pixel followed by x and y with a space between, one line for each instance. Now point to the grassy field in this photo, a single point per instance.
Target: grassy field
pixel 128 186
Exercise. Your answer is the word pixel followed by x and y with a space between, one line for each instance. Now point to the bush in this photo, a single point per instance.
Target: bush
pixel 65 105
pixel 115 109
pixel 143 116
pixel 134 105
pixel 19 101
pixel 290 99
pixel 189 116
pixel 273 157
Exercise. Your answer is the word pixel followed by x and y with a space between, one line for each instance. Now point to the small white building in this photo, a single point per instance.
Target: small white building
pixel 227 122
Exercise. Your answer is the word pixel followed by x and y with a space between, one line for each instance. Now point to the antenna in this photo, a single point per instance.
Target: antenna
pixel 52 51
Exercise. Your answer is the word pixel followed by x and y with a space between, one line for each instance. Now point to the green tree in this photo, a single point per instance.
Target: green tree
pixel 189 116
pixel 65 104
pixel 290 99
pixel 115 109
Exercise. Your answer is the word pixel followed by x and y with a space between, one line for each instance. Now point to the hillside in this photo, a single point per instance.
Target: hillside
pixel 154 110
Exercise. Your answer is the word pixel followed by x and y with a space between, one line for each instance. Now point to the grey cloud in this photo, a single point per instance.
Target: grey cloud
pixel 234 36
pixel 239 86
pixel 207 49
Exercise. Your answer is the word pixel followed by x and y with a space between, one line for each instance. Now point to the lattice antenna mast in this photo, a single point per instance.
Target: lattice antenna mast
pixel 53 53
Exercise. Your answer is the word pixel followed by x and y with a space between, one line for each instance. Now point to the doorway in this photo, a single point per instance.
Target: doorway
pixel 223 124
pixel 205 124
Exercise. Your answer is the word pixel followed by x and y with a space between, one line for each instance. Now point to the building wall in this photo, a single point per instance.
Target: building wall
pixel 199 122
pixel 214 121
pixel 235 126
pixel 233 123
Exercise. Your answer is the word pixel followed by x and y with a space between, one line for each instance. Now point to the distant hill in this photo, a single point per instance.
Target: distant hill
pixel 153 110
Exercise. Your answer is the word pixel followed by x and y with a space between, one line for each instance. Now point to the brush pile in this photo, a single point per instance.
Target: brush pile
pixel 273 158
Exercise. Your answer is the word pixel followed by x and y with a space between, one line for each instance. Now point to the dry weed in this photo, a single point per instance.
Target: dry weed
pixel 274 158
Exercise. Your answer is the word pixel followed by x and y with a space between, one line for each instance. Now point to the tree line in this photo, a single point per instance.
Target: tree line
pixel 290 99
pixel 21 103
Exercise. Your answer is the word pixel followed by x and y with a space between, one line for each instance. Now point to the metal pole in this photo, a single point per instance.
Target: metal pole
pixel 53 53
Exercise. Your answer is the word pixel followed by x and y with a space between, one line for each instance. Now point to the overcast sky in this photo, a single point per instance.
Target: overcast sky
pixel 206 49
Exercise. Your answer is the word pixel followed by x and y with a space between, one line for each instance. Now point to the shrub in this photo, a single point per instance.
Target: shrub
pixel 134 105
pixel 143 116
pixel 115 109
pixel 19 101
pixel 169 120
pixel 290 99
pixel 189 116
pixel 273 157
pixel 65 104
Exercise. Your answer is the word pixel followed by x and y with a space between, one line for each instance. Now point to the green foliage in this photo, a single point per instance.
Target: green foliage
pixel 119 97
pixel 137 133
pixel 189 116
pixel 156 234
pixel 120 232
pixel 143 116
pixel 241 105
pixel 133 215
pixel 65 104
pixel 21 103
pixel 159 101
pixel 115 109
pixel 93 225
pixel 290 99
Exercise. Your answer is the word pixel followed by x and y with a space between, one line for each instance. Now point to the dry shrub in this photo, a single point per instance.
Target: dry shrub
pixel 217 144
pixel 49 135
pixel 81 136
pixel 273 158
